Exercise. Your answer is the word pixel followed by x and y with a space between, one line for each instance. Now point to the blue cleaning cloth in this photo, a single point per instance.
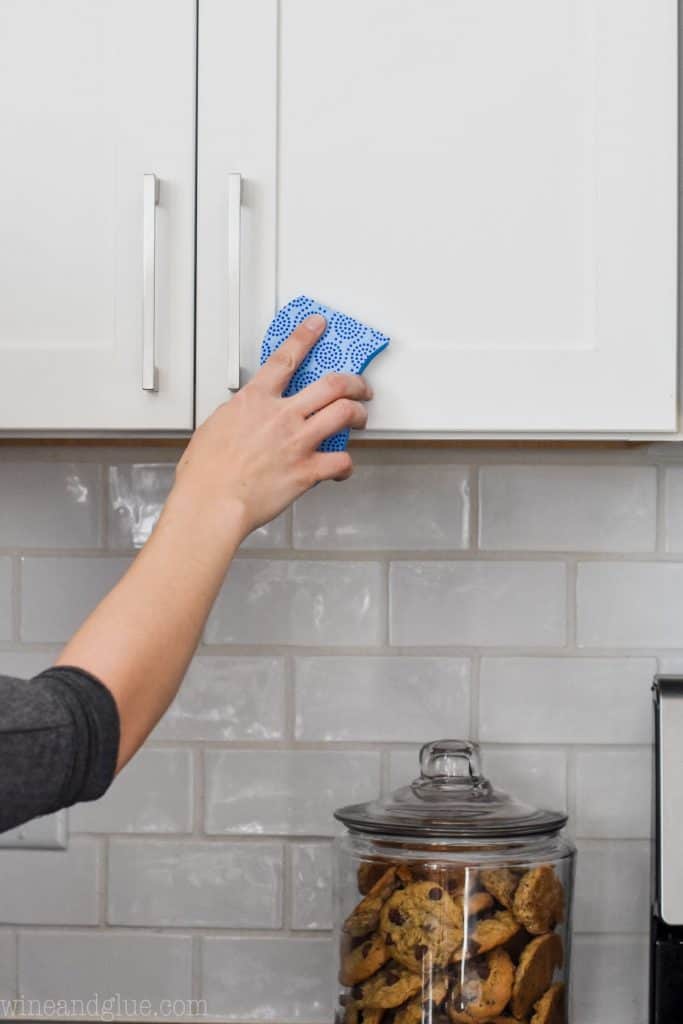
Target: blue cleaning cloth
pixel 346 346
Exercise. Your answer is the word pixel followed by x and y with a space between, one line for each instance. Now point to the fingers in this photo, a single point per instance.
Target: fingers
pixel 337 416
pixel 330 388
pixel 276 373
pixel 331 466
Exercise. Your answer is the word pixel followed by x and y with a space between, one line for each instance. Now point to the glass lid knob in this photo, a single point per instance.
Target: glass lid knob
pixel 450 761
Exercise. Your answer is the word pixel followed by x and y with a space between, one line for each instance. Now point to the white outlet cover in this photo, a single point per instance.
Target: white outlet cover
pixel 46 833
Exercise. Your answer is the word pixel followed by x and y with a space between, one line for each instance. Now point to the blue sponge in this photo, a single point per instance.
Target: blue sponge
pixel 346 346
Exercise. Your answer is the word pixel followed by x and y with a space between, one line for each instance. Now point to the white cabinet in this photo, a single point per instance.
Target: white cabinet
pixel 493 184
pixel 93 96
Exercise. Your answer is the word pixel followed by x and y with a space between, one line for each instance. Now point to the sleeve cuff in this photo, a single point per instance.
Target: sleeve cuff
pixel 97 723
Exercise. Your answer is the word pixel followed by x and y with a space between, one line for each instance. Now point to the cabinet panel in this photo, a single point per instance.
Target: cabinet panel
pixel 92 97
pixel 492 184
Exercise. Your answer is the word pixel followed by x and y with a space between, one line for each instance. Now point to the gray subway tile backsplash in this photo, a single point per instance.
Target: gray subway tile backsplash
pixel 57 594
pixel 6 619
pixel 610 979
pixel 176 884
pixel 153 793
pixel 289 979
pixel 420 507
pixel 613 791
pixel 137 493
pixel 8 964
pixel 50 505
pixel 602 700
pixel 82 965
pixel 478 603
pixel 284 792
pixel 535 629
pixel 324 603
pixel 50 886
pixel 629 604
pixel 673 508
pixel 224 698
pixel 606 870
pixel 384 699
pixel 536 776
pixel 311 885
pixel 568 508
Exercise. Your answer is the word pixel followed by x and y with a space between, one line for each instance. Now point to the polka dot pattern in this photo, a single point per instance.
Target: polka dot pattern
pixel 346 346
pixel 301 379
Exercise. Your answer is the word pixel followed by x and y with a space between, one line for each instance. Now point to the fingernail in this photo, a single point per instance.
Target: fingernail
pixel 315 321
pixel 371 393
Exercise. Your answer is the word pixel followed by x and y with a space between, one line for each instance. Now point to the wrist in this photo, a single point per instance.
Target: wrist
pixel 217 522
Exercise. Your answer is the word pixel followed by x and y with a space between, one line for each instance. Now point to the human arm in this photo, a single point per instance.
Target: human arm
pixel 247 462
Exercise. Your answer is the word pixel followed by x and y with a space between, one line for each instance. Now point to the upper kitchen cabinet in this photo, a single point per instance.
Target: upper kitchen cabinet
pixel 492 183
pixel 97 111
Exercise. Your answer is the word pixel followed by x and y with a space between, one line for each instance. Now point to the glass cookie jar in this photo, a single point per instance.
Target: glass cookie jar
pixel 452 902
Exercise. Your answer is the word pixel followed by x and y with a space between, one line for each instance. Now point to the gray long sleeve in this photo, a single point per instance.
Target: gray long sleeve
pixel 59 740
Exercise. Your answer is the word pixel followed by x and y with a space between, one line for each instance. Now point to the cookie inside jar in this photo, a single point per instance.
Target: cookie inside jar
pixel 453 903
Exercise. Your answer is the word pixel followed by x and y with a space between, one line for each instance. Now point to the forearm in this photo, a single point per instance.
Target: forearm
pixel 141 637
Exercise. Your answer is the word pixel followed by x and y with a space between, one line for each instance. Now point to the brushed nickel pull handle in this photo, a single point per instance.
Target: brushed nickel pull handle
pixel 234 261
pixel 149 234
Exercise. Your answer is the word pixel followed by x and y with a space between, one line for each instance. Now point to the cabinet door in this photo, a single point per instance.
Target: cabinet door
pixel 94 96
pixel 492 184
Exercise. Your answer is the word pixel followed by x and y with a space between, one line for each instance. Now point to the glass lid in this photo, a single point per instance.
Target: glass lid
pixel 451 798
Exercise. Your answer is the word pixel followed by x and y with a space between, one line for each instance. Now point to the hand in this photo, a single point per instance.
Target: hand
pixel 257 452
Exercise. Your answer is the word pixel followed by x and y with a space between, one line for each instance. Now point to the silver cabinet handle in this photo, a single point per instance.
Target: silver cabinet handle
pixel 149 234
pixel 234 244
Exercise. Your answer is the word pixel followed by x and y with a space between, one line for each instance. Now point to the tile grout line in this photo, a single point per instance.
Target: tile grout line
pixel 16 971
pixel 287 893
pixel 104 494
pixel 370 556
pixel 386 618
pixel 198 786
pixel 475 691
pixel 16 592
pixel 289 736
pixel 571 639
pixel 660 511
pixel 570 786
pixel 474 513
pixel 196 966
pixel 103 880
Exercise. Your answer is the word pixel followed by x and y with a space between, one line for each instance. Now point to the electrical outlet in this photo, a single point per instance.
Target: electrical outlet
pixel 46 833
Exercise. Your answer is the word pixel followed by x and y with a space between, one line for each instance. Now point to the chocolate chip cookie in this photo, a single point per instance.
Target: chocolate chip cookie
pixel 539 900
pixel 487 934
pixel 365 918
pixel 477 903
pixel 517 944
pixel 420 1008
pixel 363 960
pixel 455 879
pixel 422 926
pixel 535 971
pixel 390 987
pixel 482 988
pixel 501 883
pixel 551 1007
pixel 370 872
pixel 355 1014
